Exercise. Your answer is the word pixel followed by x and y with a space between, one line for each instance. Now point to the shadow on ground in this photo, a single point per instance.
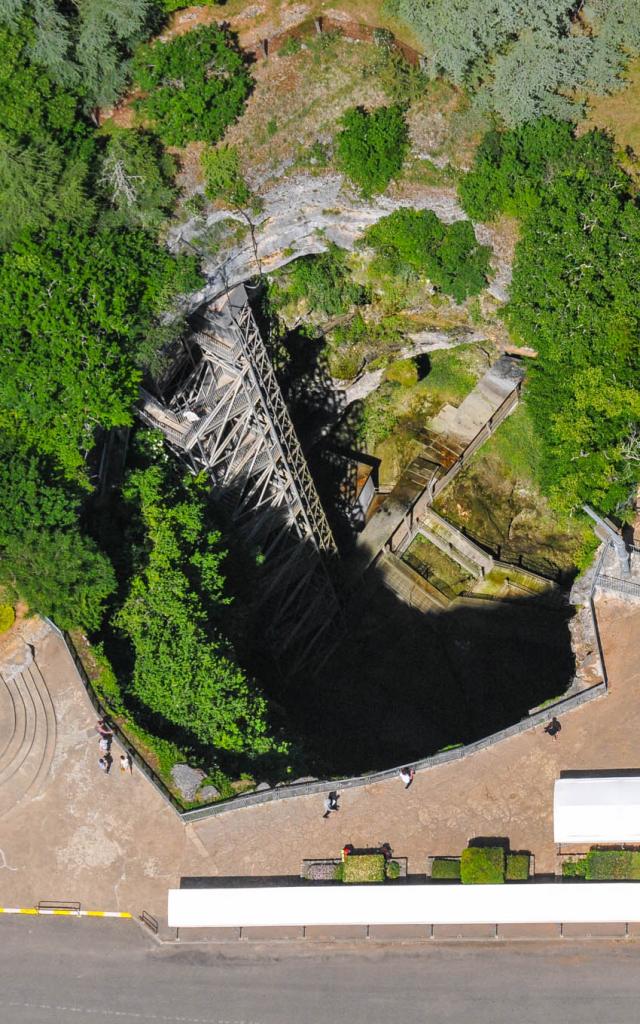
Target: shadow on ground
pixel 402 684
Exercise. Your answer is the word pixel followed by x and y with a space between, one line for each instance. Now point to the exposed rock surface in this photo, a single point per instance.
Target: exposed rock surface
pixel 208 793
pixel 301 215
pixel 187 780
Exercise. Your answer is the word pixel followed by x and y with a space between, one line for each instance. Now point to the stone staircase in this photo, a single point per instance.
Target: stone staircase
pixel 27 735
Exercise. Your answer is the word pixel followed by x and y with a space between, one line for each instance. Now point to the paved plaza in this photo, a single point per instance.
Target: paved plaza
pixel 67 831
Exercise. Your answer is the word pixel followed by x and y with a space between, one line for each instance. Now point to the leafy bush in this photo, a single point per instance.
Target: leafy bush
pixel 372 146
pixel 612 864
pixel 574 868
pixel 223 176
pixel 324 281
pixel 364 867
pixel 517 869
pixel 449 255
pixel 195 85
pixel 7 617
pixel 445 867
pixel 482 865
pixel 393 870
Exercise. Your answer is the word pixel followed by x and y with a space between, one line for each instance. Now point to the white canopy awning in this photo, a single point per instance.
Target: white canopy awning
pixel 439 903
pixel 588 809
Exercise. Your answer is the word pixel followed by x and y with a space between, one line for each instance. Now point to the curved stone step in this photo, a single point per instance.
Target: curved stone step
pixel 24 724
pixel 27 712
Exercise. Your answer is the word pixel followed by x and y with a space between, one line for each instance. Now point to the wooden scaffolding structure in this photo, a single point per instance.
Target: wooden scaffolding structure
pixel 222 411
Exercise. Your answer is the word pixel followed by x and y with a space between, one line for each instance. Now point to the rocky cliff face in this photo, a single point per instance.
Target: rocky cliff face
pixel 301 215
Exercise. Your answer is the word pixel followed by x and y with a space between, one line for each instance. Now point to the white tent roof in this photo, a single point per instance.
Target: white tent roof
pixel 405 904
pixel 597 810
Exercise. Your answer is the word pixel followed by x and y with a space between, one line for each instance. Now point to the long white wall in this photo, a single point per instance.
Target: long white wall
pixel 527 903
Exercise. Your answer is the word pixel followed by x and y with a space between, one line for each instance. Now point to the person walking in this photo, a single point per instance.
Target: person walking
pixel 553 728
pixel 104 744
pixel 104 765
pixel 407 774
pixel 330 804
pixel 125 763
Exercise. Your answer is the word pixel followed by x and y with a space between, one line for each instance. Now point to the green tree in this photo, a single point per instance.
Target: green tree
pixel 58 573
pixel 39 184
pixel 33 493
pixel 83 46
pixel 136 180
pixel 371 146
pixel 32 107
pixel 74 308
pixel 417 241
pixel 195 85
pixel 184 668
pixel 526 59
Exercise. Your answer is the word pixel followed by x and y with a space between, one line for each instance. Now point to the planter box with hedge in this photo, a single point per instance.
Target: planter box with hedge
pixel 605 865
pixel 358 869
pixel 482 865
pixel 517 867
pixel 445 868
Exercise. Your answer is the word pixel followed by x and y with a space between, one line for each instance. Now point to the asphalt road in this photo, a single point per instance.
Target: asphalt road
pixel 62 971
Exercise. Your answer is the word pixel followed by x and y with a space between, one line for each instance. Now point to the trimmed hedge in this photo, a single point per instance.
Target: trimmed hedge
pixel 443 867
pixel 365 867
pixel 517 869
pixel 7 617
pixel 612 864
pixel 574 868
pixel 482 865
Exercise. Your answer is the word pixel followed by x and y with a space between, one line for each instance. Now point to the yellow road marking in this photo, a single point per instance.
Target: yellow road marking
pixel 56 912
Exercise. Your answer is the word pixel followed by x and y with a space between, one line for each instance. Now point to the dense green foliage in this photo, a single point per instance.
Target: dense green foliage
pixel 43 555
pixel 574 300
pixel 74 307
pixel 323 281
pixel 183 668
pixel 482 865
pixel 84 46
pixel 445 868
pixel 523 59
pixel 80 295
pixel 449 255
pixel 195 85
pixel 371 146
pixel 59 573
